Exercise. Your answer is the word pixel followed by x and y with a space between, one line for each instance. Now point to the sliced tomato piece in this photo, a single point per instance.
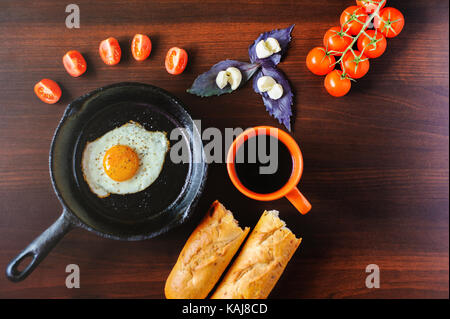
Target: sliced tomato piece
pixel 176 60
pixel 141 46
pixel 110 51
pixel 48 91
pixel 74 63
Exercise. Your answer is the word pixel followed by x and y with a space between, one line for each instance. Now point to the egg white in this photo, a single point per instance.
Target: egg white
pixel 151 148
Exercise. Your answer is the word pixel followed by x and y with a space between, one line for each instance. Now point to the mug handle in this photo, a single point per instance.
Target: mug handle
pixel 299 201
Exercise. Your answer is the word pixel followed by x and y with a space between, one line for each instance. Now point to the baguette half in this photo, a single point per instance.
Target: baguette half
pixel 261 261
pixel 206 254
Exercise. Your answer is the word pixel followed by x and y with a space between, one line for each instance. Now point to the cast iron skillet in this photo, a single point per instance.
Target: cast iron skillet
pixel 163 205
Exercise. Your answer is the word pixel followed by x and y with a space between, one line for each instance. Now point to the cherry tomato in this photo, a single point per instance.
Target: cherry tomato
pixel 141 46
pixel 372 44
pixel 74 63
pixel 355 64
pixel 370 5
pixel 336 40
pixel 176 60
pixel 352 19
pixel 337 84
pixel 48 91
pixel 390 22
pixel 110 52
pixel 319 61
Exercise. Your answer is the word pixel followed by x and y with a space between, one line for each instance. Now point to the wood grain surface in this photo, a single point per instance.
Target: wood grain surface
pixel 376 161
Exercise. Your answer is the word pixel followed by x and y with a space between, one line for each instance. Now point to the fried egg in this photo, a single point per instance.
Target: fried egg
pixel 126 160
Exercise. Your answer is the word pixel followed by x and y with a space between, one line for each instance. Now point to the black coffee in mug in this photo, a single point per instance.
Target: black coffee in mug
pixel 263 164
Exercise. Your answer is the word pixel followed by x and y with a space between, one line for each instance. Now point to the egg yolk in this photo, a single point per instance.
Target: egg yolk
pixel 120 163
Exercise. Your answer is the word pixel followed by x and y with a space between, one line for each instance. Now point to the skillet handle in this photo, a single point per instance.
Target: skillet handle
pixel 39 248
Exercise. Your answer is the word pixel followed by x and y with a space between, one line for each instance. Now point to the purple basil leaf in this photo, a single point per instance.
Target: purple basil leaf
pixel 205 84
pixel 283 37
pixel 281 109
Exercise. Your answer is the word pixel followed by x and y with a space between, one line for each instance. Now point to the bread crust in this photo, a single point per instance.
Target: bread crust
pixel 261 261
pixel 206 254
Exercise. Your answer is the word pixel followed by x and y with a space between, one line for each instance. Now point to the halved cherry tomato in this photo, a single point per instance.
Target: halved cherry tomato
pixel 337 84
pixel 48 91
pixel 176 60
pixel 336 40
pixel 372 43
pixel 141 46
pixel 352 19
pixel 319 61
pixel 355 64
pixel 110 51
pixel 390 22
pixel 370 5
pixel 74 63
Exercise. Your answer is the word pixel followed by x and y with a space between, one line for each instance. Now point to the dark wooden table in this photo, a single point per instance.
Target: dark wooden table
pixel 376 161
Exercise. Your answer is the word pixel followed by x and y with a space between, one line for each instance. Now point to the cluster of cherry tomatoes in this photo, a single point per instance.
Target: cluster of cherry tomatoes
pixel 75 64
pixel 353 43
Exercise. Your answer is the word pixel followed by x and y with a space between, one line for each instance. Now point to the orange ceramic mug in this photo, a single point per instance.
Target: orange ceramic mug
pixel 289 190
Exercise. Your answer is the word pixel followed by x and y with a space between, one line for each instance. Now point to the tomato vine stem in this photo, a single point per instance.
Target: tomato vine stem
pixel 363 30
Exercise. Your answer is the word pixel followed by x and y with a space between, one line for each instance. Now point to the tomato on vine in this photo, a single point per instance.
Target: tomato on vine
pixel 390 22
pixel 372 43
pixel 337 84
pixel 360 27
pixel 353 19
pixel 370 5
pixel 320 61
pixel 355 64
pixel 336 40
